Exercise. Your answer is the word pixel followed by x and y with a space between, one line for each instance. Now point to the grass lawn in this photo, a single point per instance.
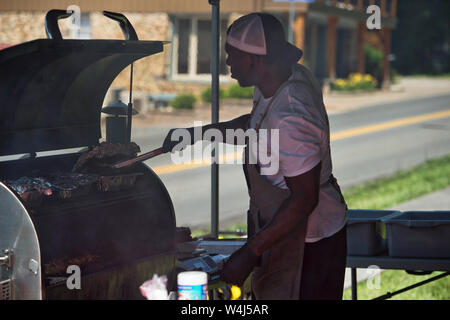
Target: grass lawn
pixel 405 185
pixel 388 192
pixel 393 280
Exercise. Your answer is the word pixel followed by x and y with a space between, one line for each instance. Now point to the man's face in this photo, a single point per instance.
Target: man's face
pixel 241 66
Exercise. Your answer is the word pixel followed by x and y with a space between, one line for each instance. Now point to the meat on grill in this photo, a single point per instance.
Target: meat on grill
pixel 84 174
pixel 69 184
pixel 27 184
pixel 101 157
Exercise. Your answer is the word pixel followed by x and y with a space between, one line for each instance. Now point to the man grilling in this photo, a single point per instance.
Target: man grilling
pixel 296 247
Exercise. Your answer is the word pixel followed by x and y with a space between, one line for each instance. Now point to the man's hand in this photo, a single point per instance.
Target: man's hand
pixel 177 139
pixel 239 266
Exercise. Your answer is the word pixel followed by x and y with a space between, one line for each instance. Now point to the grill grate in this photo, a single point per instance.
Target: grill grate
pixel 5 289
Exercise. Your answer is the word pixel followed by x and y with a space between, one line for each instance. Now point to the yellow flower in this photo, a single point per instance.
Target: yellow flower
pixel 352 76
pixel 340 83
pixel 357 77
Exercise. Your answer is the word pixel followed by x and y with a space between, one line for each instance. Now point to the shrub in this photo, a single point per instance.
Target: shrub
pixel 373 61
pixel 206 94
pixel 237 92
pixel 356 82
pixel 183 101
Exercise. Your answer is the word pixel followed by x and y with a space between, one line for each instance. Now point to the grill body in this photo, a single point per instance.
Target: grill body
pixel 52 91
pixel 118 239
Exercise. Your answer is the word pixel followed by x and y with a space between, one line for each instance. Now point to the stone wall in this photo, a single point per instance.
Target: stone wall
pixel 151 74
pixel 17 27
pixel 148 71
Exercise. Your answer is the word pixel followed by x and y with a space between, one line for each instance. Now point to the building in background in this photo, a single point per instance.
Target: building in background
pixel 331 33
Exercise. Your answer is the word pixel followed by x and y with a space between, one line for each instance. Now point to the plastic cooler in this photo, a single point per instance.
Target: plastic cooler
pixel 366 233
pixel 419 234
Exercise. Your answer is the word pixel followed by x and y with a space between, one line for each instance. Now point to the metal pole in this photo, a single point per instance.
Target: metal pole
pixel 130 106
pixel 391 294
pixel 354 285
pixel 215 35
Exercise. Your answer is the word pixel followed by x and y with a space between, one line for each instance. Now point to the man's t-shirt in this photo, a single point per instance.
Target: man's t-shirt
pixel 304 140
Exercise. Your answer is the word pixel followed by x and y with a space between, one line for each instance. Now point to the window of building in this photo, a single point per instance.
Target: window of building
pixel 191 51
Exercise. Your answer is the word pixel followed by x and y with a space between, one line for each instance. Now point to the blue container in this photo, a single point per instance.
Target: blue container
pixel 419 234
pixel 366 233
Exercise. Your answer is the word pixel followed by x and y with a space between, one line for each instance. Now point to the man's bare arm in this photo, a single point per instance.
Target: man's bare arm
pixel 294 210
pixel 234 124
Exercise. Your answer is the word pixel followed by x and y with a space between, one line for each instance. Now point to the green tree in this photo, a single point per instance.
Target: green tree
pixel 421 41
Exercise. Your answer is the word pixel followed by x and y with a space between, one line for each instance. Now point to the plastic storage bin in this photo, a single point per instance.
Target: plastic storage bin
pixel 419 234
pixel 366 233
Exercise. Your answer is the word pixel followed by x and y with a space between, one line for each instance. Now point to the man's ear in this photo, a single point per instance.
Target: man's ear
pixel 254 61
pixel 249 59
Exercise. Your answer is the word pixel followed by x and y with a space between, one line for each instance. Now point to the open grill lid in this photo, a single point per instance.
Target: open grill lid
pixel 52 91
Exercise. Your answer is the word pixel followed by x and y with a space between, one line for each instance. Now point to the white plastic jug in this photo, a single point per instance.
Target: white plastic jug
pixel 192 285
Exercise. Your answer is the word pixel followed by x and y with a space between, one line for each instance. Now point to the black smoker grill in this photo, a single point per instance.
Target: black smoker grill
pixel 52 92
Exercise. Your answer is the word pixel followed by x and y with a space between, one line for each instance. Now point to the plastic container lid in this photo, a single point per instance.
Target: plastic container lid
pixel 367 216
pixel 420 218
pixel 192 278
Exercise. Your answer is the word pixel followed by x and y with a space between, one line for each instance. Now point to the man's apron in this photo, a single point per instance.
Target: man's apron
pixel 279 273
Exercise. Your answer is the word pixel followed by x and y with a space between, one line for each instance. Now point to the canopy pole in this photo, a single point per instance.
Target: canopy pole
pixel 291 22
pixel 130 105
pixel 215 35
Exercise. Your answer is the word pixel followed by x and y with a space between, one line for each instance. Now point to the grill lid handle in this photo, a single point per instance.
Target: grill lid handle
pixel 51 22
pixel 7 259
pixel 127 29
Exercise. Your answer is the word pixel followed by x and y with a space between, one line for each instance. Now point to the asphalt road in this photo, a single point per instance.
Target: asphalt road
pixel 394 137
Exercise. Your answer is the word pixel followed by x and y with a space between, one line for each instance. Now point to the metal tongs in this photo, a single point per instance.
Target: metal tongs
pixel 142 157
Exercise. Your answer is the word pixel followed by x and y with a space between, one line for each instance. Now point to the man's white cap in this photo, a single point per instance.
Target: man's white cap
pixel 262 34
